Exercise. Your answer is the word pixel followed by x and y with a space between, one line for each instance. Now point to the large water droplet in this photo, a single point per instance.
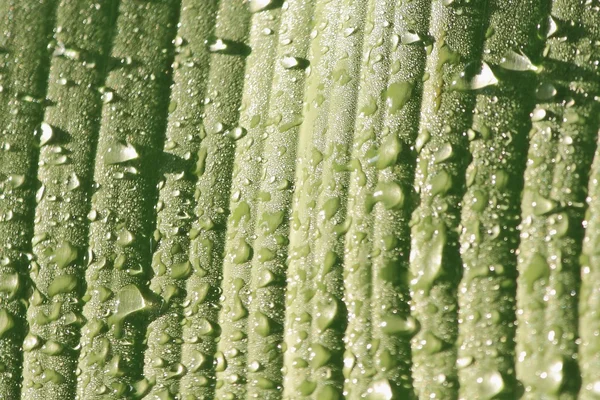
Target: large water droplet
pixel 261 5
pixel 410 37
pixel 398 325
pixel 475 77
pixel 62 284
pixel 514 61
pixel 290 62
pixel 380 390
pixel 491 384
pixel 545 91
pixel 397 95
pixel 390 194
pixel 9 284
pixel 429 255
pixel 7 322
pixel 47 133
pixel 129 300
pixel 320 355
pixel 120 153
pixel 537 268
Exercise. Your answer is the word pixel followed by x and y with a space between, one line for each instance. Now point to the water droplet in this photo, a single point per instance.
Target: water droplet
pixel 64 254
pixel 440 183
pixel 62 284
pixel 475 78
pixel 271 221
pixel 241 211
pixel 547 27
pixel 73 182
pixel 398 325
pixel 554 376
pixel 538 114
pixel 262 324
pixel 224 46
pixel 120 153
pixel 543 206
pixel 545 91
pixel 31 342
pixel 47 133
pixel 49 375
pixel 397 95
pixel 265 278
pixel 430 344
pixel 320 355
pixel 261 5
pixel 181 270
pixel 390 194
pixel 237 133
pixel 129 300
pixel 15 181
pixel 242 252
pixel 410 37
pixel 7 321
pixel 444 153
pixel 201 162
pixel 380 390
pixel 388 152
pixel 125 238
pixel 217 46
pixel 238 310
pixel 306 388
pixel 265 383
pixel 331 207
pixel 220 361
pixel 326 315
pixel 514 61
pixel 537 268
pixel 491 384
pixel 107 97
pixel 429 255
pixel 290 62
pixel 464 362
pixel 52 348
pixel 422 139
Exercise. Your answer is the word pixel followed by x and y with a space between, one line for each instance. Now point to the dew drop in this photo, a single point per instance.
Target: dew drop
pixel 546 91
pixel 62 284
pixel 47 133
pixel 474 79
pixel 514 61
pixel 397 325
pixel 397 95
pixel 261 5
pixel 410 37
pixel 120 153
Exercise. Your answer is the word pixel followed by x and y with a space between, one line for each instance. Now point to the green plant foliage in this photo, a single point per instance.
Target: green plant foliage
pixel 299 199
